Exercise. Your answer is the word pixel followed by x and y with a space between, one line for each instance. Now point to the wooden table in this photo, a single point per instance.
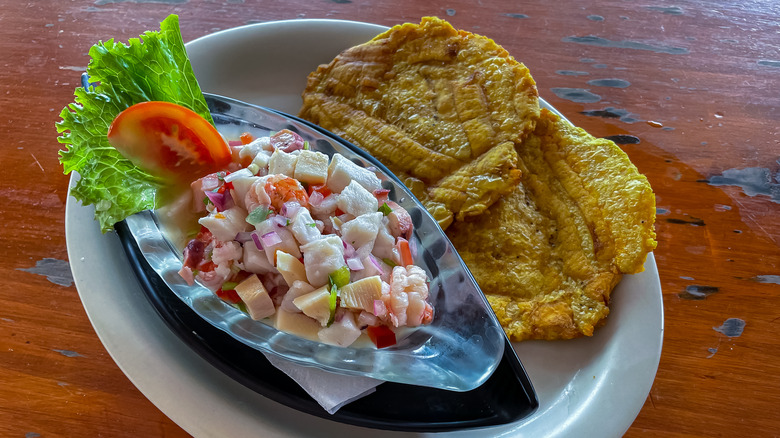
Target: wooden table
pixel 689 88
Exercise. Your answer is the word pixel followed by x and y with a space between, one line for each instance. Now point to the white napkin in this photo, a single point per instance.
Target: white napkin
pixel 330 390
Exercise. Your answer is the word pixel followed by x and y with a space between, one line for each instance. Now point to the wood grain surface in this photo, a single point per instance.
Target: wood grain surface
pixel 690 87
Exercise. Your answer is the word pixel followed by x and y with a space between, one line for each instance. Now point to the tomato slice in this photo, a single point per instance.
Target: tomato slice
pixel 169 141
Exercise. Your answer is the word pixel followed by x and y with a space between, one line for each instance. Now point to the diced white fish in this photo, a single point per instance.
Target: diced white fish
pixel 261 160
pixel 384 243
pixel 226 224
pixel 241 187
pixel 304 228
pixel 297 289
pixel 287 243
pixel 366 319
pixel 370 269
pixel 255 260
pixel 323 208
pixel 343 332
pixel 311 167
pixel 255 147
pixel 322 257
pixel 356 200
pixel 282 163
pixel 342 171
pixel 362 231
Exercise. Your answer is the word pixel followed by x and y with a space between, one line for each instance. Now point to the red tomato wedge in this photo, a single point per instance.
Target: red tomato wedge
pixel 169 141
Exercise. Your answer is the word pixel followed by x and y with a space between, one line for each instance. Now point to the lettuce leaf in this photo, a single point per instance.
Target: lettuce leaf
pixel 154 67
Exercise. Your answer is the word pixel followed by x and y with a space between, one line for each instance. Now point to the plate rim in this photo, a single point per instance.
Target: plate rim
pixel 181 416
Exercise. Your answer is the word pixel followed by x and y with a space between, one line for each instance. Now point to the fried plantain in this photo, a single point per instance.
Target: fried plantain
pixel 547 217
pixel 582 217
pixel 441 108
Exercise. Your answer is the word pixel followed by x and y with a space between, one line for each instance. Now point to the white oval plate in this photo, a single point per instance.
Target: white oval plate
pixel 577 381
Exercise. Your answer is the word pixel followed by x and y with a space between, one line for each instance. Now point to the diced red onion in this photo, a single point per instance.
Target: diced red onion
pixel 258 243
pixel 279 220
pixel 413 248
pixel 235 143
pixel 354 264
pixel 243 236
pixel 243 173
pixel 289 209
pixel 349 250
pixel 218 199
pixel 270 239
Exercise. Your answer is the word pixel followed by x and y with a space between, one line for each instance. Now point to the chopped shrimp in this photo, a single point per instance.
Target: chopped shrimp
pixel 256 195
pixel 406 303
pixel 281 189
pixel 211 279
pixel 224 256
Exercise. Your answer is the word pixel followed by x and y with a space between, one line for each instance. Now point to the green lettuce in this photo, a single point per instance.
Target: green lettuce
pixel 154 67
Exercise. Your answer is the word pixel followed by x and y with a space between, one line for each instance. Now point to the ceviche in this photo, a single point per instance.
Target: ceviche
pixel 308 242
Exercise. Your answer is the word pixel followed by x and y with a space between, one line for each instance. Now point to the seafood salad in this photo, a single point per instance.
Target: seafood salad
pixel 307 242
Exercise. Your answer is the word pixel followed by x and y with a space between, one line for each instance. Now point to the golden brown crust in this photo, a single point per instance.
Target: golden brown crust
pixel 440 106
pixel 547 217
pixel 549 254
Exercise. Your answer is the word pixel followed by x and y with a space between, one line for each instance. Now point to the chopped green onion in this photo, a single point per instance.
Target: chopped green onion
pixel 385 209
pixel 389 262
pixel 339 277
pixel 332 304
pixel 206 201
pixel 313 225
pixel 306 146
pixel 242 307
pixel 258 215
